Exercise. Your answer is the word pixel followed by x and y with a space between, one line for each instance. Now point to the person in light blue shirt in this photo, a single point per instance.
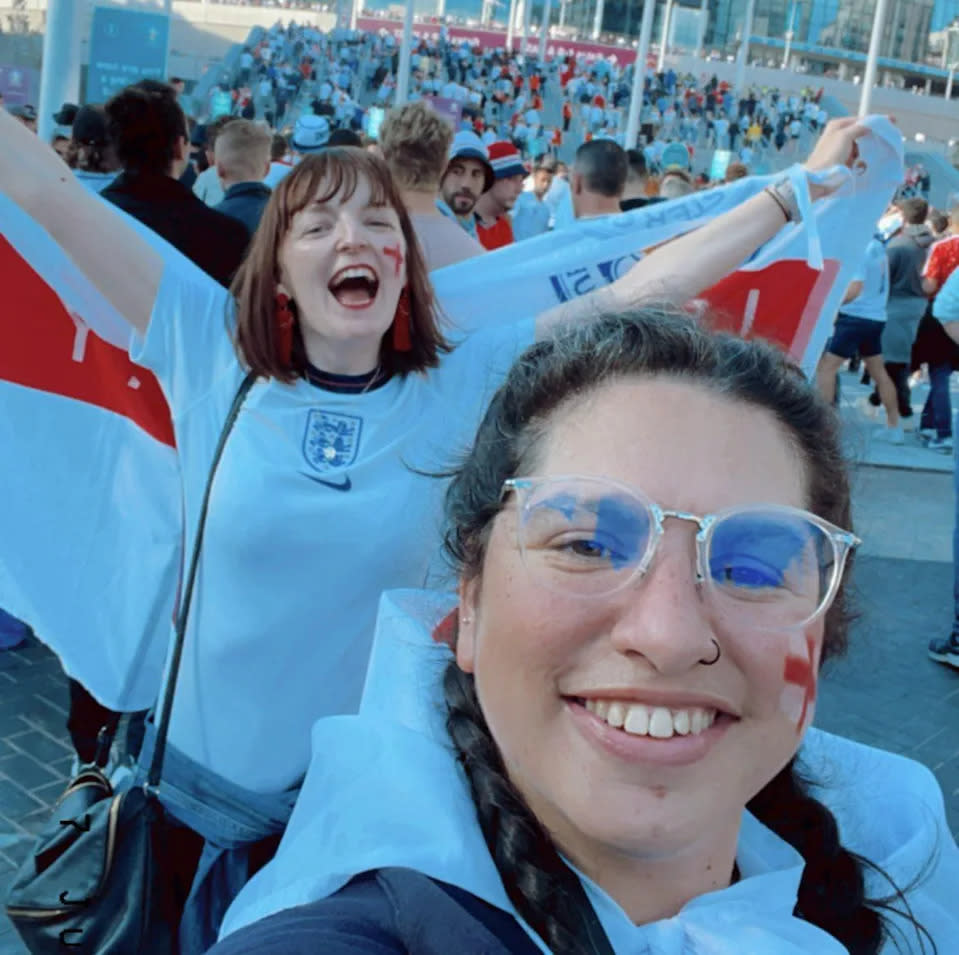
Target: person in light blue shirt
pixel 531 213
pixel 617 752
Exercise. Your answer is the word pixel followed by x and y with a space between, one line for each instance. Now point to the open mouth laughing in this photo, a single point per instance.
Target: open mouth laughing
pixel 355 286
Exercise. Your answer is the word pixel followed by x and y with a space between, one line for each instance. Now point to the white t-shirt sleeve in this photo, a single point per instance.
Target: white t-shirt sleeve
pixel 189 343
pixel 469 376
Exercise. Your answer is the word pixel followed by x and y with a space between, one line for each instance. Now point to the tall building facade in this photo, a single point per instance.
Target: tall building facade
pixel 845 25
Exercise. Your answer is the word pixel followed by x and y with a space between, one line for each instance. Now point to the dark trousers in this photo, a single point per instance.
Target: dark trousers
pixel 88 718
pixel 937 412
pixel 899 373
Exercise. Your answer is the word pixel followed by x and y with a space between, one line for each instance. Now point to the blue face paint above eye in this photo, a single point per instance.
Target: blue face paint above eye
pixel 753 551
pixel 623 528
pixel 566 504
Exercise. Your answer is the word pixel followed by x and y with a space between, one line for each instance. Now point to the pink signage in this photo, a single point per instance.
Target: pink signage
pixel 490 39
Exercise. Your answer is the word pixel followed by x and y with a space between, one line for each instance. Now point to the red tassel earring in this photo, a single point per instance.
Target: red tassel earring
pixel 445 631
pixel 283 328
pixel 401 323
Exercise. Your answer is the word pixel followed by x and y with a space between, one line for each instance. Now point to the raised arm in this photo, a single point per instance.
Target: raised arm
pixel 122 265
pixel 678 271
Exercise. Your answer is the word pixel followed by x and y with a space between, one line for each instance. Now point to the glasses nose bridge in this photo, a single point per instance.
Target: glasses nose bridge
pixel 702 525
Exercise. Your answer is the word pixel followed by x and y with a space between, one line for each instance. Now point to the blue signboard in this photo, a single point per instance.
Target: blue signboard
pixel 125 46
pixel 19 85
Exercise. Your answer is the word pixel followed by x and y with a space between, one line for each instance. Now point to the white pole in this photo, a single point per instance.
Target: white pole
pixel 354 13
pixel 403 70
pixel 544 31
pixel 789 37
pixel 60 73
pixel 598 21
pixel 509 24
pixel 872 57
pixel 952 71
pixel 440 8
pixel 562 13
pixel 664 37
pixel 703 18
pixel 743 57
pixel 639 74
pixel 527 22
pixel 168 10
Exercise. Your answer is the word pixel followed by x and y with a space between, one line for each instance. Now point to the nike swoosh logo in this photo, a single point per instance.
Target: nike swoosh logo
pixel 343 485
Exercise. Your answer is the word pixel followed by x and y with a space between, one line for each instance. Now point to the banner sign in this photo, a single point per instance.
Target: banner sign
pixel 125 46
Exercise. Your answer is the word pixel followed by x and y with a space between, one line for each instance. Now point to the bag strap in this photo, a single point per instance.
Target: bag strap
pixel 166 707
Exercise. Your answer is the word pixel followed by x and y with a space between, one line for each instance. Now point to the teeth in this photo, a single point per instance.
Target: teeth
pixel 637 720
pixel 616 715
pixel 359 272
pixel 658 722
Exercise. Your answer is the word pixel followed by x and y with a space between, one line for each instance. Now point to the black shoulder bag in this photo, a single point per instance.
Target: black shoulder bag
pixel 95 882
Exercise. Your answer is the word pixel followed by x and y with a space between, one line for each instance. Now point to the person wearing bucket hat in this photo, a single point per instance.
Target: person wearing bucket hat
pixel 467 176
pixel 494 228
pixel 310 134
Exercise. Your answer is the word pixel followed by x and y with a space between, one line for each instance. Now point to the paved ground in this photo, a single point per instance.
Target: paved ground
pixel 886 692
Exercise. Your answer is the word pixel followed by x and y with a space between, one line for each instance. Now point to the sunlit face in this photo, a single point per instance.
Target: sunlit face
pixel 506 190
pixel 542 659
pixel 542 180
pixel 343 262
pixel 463 184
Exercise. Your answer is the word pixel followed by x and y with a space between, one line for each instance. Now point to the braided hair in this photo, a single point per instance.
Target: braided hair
pixel 570 365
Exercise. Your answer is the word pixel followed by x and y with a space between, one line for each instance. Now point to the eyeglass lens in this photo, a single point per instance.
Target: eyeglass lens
pixel 590 538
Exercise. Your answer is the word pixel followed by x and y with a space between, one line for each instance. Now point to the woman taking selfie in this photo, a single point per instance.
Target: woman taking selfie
pixel 323 499
pixel 616 756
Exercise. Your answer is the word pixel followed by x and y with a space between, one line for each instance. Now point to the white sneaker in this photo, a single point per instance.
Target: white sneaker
pixel 893 435
pixel 927 434
pixel 940 444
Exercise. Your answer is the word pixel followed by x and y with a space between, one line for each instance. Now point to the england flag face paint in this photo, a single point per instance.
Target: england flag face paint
pixel 396 254
pixel 800 676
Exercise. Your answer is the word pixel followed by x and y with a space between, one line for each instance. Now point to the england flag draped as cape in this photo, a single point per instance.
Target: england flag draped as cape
pixel 90 501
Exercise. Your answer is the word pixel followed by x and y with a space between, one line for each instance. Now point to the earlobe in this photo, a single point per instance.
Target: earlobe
pixel 466 631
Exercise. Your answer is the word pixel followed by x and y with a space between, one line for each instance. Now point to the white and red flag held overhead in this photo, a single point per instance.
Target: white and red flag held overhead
pixel 90 501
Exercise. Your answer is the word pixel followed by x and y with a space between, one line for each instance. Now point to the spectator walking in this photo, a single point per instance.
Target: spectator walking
pixel 493 225
pixel 242 158
pixel 907 252
pixel 598 179
pixel 531 214
pixel 416 141
pixel 858 331
pixel 467 176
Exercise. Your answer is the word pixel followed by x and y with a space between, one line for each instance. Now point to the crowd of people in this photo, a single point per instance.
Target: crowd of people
pixel 597 740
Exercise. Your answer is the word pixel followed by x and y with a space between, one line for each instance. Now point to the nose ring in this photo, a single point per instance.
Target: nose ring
pixel 715 659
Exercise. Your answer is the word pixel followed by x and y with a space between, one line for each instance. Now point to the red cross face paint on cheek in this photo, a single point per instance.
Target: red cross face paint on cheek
pixel 801 675
pixel 393 252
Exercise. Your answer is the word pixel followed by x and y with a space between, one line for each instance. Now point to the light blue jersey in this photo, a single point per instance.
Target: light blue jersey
pixel 385 789
pixel 871 302
pixel 320 504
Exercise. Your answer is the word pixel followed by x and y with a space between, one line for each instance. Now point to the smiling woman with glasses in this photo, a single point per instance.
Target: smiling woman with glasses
pixel 651 532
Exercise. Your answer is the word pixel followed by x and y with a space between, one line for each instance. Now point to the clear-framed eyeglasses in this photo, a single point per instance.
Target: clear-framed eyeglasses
pixel 766 566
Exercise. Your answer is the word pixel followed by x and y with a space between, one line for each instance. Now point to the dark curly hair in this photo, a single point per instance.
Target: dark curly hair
pixel 550 374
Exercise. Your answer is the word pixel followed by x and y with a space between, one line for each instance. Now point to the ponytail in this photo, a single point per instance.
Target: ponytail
pixel 538 882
